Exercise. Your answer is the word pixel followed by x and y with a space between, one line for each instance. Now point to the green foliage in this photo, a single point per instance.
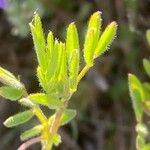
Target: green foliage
pixel 30 133
pixel 18 119
pixel 46 100
pixel 10 93
pixel 136 93
pixel 140 95
pixel 67 116
pixel 19 13
pixel 148 36
pixel 146 64
pixel 58 75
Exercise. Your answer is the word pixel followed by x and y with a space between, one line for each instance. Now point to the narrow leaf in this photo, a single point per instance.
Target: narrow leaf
pixel 67 116
pixel 46 100
pixel 27 102
pixel 106 39
pixel 6 72
pixel 50 46
pixel 89 48
pixel 137 96
pixel 146 64
pixel 18 119
pixel 54 61
pixel 72 41
pixel 74 70
pixel 95 23
pixel 10 93
pixel 39 41
pixel 148 36
pixel 41 78
pixel 31 132
pixel 9 79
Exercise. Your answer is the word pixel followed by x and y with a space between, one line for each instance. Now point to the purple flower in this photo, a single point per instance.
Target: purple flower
pixel 3 4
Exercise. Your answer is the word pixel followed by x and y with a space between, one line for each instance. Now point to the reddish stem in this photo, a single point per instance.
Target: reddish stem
pixel 27 144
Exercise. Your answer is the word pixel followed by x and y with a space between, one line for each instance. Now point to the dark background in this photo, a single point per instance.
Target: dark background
pixel 105 119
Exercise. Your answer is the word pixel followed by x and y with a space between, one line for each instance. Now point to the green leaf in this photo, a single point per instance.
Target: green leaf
pixel 18 119
pixel 39 41
pixel 74 70
pixel 53 62
pixel 46 100
pixel 89 48
pixel 11 93
pixel 50 45
pixel 148 36
pixel 146 104
pixel 106 39
pixel 41 78
pixel 67 116
pixel 9 79
pixel 72 41
pixel 6 73
pixel 60 60
pixel 63 64
pixel 31 132
pixel 146 88
pixel 95 23
pixel 56 139
pixel 27 102
pixel 137 96
pixel 146 64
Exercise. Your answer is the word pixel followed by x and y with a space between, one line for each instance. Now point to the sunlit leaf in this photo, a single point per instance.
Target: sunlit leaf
pixel 72 41
pixel 89 47
pixel 9 79
pixel 46 100
pixel 39 41
pixel 95 23
pixel 106 39
pixel 74 70
pixel 6 72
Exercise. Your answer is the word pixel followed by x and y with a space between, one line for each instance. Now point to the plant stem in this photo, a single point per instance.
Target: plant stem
pixel 83 72
pixel 27 144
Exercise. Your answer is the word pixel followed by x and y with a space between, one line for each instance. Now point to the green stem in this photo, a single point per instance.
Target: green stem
pixel 83 72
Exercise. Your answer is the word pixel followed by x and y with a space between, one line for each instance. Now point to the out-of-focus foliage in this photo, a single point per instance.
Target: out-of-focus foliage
pixel 20 12
pixel 140 95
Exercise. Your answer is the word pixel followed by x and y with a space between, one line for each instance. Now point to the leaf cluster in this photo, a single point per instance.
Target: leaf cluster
pixel 58 75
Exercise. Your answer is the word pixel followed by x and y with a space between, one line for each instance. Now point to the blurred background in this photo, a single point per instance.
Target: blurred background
pixel 105 119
